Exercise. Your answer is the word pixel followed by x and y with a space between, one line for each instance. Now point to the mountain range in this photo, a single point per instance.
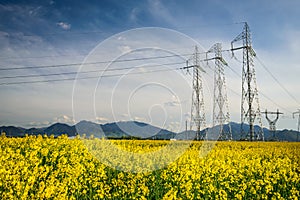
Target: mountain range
pixel 133 129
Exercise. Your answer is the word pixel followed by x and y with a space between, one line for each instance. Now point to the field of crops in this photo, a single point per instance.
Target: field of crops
pixel 62 168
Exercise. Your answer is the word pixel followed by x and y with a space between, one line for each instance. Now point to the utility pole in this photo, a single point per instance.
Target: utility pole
pixel 186 125
pixel 186 129
pixel 298 112
pixel 198 120
pixel 272 123
pixel 250 110
pixel 220 105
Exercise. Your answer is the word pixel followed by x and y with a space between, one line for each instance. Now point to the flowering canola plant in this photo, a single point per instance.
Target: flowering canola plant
pixel 41 167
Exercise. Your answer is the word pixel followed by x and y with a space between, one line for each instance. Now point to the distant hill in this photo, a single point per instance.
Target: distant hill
pixel 281 135
pixel 110 130
pixel 55 129
pixel 59 129
pixel 35 131
pixel 13 131
pixel 123 130
pixel 285 135
pixel 87 128
pixel 134 129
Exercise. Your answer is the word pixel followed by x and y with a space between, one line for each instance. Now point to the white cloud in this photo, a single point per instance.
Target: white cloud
pixel 64 25
pixel 173 126
pixel 140 119
pixel 35 11
pixel 125 115
pixel 159 11
pixel 101 119
pixel 121 38
pixel 20 41
pixel 172 103
pixel 64 119
pixel 134 15
pixel 125 49
pixel 39 124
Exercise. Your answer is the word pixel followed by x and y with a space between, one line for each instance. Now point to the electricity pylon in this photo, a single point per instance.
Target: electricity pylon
pixel 272 123
pixel 220 105
pixel 298 112
pixel 250 110
pixel 198 119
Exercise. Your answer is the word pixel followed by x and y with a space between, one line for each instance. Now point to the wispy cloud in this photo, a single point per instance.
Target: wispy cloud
pixel 64 119
pixel 172 103
pixel 173 126
pixel 102 119
pixel 159 11
pixel 140 119
pixel 133 16
pixel 61 119
pixel 38 124
pixel 64 25
pixel 125 49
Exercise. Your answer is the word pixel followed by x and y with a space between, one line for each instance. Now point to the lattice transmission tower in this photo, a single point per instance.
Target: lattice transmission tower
pixel 272 123
pixel 198 120
pixel 250 109
pixel 294 114
pixel 220 105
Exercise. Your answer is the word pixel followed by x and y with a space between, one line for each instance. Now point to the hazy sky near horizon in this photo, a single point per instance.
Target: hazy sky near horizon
pixel 57 34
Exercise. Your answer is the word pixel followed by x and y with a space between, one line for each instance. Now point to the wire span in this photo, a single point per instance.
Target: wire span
pixel 277 81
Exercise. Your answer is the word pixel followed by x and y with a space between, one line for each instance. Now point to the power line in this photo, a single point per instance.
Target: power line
pixel 277 81
pixel 85 72
pixel 235 72
pixel 62 55
pixel 274 102
pixel 89 77
pixel 92 71
pixel 91 63
pixel 260 92
pixel 116 69
pixel 81 54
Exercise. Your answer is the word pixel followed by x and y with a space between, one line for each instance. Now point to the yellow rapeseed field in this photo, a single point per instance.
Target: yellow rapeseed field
pixel 46 168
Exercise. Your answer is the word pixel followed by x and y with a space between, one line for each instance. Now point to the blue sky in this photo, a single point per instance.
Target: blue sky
pixel 38 33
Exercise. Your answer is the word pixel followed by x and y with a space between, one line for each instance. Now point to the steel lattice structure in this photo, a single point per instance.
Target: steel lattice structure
pixel 220 105
pixel 250 109
pixel 198 119
pixel 295 113
pixel 272 123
